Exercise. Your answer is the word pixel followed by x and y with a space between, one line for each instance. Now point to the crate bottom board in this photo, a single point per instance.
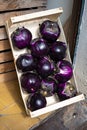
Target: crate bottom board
pixel 56 106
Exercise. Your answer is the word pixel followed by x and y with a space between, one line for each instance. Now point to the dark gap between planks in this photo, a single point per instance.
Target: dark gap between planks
pixel 6 61
pixel 7 66
pixel 8 71
pixel 21 9
pixel 5 50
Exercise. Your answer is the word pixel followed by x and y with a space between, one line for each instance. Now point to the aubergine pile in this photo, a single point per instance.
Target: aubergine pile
pixel 45 70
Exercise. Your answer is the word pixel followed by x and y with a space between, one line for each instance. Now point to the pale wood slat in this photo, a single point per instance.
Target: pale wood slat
pixel 4 45
pixel 7 15
pixel 6 5
pixel 37 15
pixel 6 56
pixel 5 67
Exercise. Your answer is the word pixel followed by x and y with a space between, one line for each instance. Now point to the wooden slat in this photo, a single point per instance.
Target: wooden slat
pixel 7 15
pixel 36 15
pixel 3 34
pixel 6 67
pixel 8 76
pixel 4 45
pixel 6 5
pixel 6 56
pixel 59 105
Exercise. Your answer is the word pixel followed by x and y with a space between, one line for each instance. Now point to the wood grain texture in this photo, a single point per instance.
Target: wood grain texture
pixel 9 98
pixel 8 76
pixel 12 113
pixel 3 34
pixel 4 45
pixel 5 16
pixel 8 5
pixel 6 56
pixel 6 67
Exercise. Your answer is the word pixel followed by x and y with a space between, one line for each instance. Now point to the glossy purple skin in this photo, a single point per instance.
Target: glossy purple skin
pixel 21 38
pixel 58 51
pixel 49 85
pixel 64 91
pixel 45 67
pixel 61 91
pixel 30 82
pixel 26 62
pixel 65 71
pixel 36 101
pixel 39 47
pixel 50 30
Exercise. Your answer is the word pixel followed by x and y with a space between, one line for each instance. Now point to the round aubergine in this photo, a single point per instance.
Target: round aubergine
pixel 45 67
pixel 39 47
pixel 65 71
pixel 21 38
pixel 30 82
pixel 36 101
pixel 26 62
pixel 58 51
pixel 50 30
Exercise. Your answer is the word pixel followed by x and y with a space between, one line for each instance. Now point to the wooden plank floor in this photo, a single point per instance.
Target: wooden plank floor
pixel 12 112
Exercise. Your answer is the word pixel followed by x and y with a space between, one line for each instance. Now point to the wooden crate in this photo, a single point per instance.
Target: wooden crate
pixel 8 9
pixel 31 21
